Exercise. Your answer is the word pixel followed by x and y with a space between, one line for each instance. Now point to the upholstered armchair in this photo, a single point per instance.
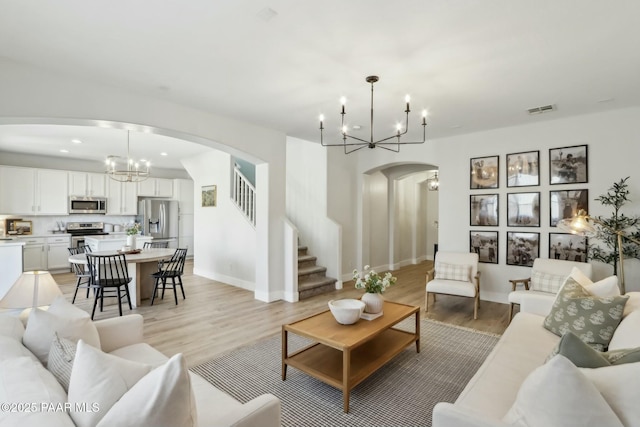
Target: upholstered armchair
pixel 454 273
pixel 547 277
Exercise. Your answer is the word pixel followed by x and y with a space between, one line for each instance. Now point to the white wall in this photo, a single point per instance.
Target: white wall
pixel 376 209
pixel 33 95
pixel 613 154
pixel 224 242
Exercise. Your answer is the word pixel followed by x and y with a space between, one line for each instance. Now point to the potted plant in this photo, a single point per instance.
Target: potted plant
pixel 132 232
pixel 374 285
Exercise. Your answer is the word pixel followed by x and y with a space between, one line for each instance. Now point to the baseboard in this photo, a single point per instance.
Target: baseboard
pixel 229 280
pixel 500 297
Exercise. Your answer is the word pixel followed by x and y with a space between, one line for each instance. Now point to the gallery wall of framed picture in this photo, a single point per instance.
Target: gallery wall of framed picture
pixel 526 206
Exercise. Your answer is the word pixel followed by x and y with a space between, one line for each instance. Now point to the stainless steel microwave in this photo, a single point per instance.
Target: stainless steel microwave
pixel 87 205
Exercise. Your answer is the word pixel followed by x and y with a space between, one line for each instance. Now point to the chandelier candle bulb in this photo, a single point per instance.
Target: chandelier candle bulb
pixel 407 99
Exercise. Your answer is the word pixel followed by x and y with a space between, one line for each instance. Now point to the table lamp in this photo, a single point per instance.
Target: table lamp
pixel 580 225
pixel 32 289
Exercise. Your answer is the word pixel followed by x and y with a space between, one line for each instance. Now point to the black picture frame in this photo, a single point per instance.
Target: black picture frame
pixel 566 204
pixel 568 247
pixel 522 248
pixel 523 209
pixel 523 169
pixel 569 165
pixel 485 244
pixel 484 172
pixel 483 209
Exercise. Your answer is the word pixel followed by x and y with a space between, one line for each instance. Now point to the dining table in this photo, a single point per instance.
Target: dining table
pixel 140 267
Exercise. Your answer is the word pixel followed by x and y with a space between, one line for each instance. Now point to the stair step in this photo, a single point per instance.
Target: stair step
pixel 306 261
pixel 310 288
pixel 302 250
pixel 315 271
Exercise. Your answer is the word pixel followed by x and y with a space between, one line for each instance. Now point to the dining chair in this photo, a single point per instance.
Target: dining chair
pixel 109 273
pixel 155 245
pixel 172 269
pixel 81 271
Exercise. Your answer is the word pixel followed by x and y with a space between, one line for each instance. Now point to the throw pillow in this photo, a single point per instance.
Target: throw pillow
pixel 607 287
pixel 43 325
pixel 584 356
pixel 458 272
pixel 620 387
pixel 61 356
pixel 164 397
pixel 546 282
pixel 558 394
pixel 11 326
pixel 100 379
pixel 626 335
pixel 11 348
pixel 593 319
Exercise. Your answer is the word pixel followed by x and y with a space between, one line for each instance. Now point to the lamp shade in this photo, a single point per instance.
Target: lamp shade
pixel 32 289
pixel 579 224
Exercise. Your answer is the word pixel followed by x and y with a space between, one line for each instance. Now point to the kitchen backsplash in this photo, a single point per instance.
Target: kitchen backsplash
pixel 47 224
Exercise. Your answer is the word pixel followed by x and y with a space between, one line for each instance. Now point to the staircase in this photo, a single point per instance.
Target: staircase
pixel 312 279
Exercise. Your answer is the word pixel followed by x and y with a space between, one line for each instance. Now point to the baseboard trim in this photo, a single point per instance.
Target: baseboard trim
pixel 229 280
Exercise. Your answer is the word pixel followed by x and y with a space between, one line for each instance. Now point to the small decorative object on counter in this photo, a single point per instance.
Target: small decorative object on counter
pixel 375 285
pixel 132 232
pixel 346 311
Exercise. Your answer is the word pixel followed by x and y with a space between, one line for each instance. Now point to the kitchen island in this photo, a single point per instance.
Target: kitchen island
pixel 10 264
pixel 113 242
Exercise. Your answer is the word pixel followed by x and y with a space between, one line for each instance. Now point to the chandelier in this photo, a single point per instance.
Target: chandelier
pixel 127 169
pixel 433 184
pixel 391 143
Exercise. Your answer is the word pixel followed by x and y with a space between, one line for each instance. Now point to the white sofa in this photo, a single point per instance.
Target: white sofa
pixel 524 346
pixel 123 337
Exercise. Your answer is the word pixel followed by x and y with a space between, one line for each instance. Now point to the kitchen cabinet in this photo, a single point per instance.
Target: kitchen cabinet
pixel 33 253
pixel 122 198
pixel 183 193
pixel 46 253
pixel 87 184
pixel 155 187
pixel 58 253
pixel 28 191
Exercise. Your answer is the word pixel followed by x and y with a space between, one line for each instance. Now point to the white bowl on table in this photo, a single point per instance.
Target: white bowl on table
pixel 346 311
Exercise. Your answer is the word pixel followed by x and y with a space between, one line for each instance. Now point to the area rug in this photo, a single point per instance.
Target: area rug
pixel 401 393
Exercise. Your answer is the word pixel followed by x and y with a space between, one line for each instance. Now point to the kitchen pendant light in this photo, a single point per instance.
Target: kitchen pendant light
pixel 386 143
pixel 127 169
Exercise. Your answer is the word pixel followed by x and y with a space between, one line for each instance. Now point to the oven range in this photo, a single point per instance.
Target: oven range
pixel 79 230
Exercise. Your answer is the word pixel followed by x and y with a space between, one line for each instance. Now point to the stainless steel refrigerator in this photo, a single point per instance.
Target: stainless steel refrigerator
pixel 159 219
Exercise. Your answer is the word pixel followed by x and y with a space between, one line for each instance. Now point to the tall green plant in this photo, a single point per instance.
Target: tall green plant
pixel 616 198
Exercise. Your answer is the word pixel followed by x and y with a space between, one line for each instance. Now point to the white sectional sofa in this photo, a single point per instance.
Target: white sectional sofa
pixel 524 346
pixel 25 381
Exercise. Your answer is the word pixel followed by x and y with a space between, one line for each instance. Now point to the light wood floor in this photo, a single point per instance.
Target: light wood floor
pixel 216 318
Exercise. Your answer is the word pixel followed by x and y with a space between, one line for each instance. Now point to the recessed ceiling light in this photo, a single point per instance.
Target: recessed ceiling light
pixel 163 154
pixel 76 141
pixel 356 127
pixel 143 160
pixel 64 151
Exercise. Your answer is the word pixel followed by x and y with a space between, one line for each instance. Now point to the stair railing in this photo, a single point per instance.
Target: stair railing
pixel 244 196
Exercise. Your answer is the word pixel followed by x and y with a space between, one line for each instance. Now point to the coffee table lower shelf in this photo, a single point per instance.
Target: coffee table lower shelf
pixel 327 364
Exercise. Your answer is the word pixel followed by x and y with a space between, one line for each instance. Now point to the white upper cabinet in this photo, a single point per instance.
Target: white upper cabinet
pixel 155 187
pixel 183 193
pixel 87 184
pixel 27 191
pixel 122 199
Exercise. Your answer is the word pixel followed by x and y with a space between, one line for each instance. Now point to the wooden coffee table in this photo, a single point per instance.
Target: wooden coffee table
pixel 345 355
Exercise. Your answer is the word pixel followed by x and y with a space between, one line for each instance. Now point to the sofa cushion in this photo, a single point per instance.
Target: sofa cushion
pixel 164 397
pixel 62 317
pixel 11 326
pixel 593 319
pixel 546 282
pixel 24 380
pixel 61 356
pixel 448 271
pixel 583 355
pixel 558 394
pixel 620 387
pixel 452 287
pixel 626 334
pixel 100 378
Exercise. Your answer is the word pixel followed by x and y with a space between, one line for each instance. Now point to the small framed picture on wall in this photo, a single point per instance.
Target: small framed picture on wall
pixel 485 244
pixel 523 209
pixel 484 172
pixel 522 248
pixel 566 204
pixel 523 169
pixel 568 247
pixel 484 209
pixel 568 165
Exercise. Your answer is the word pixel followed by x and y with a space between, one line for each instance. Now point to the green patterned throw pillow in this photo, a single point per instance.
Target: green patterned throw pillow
pixel 593 319
pixel 584 356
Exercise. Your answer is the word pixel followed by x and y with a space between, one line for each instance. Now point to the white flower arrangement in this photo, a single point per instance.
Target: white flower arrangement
pixel 372 282
pixel 134 229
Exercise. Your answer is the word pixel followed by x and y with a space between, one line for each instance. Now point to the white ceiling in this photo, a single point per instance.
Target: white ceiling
pixel 473 64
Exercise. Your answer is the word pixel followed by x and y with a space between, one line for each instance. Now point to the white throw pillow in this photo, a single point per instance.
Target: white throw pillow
pixel 620 387
pixel 11 348
pixel 43 325
pixel 627 334
pixel 458 272
pixel 164 397
pixel 633 304
pixel 607 287
pixel 99 379
pixel 11 326
pixel 558 394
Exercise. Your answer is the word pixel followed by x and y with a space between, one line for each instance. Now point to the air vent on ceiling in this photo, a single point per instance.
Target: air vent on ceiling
pixel 544 109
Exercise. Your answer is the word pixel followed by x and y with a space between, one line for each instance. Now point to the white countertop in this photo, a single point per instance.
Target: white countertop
pixel 31 236
pixel 11 243
pixel 111 237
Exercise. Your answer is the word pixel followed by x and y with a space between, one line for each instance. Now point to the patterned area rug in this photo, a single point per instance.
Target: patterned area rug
pixel 401 393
